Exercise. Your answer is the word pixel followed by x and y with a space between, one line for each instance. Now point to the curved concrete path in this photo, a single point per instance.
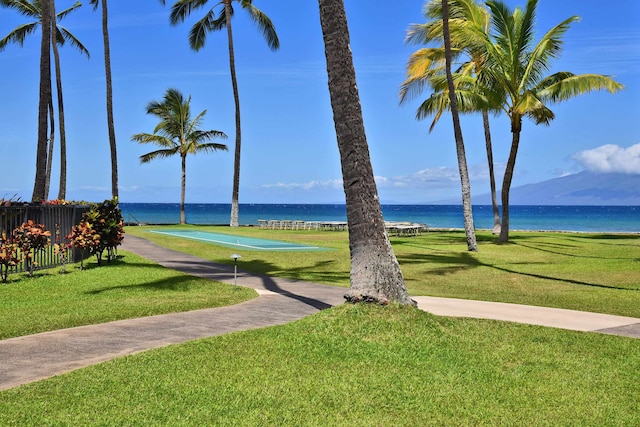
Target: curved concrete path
pixel 34 357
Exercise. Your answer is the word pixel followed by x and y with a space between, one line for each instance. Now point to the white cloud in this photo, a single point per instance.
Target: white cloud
pixel 434 178
pixel 611 158
pixel 332 184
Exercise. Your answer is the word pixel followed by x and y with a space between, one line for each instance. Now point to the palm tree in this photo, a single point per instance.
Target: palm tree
pixel 516 66
pixel 177 133
pixel 113 149
pixel 45 14
pixel 60 35
pixel 427 65
pixel 197 37
pixel 375 272
pixel 462 158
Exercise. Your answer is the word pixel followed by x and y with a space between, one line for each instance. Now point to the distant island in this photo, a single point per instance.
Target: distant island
pixel 584 188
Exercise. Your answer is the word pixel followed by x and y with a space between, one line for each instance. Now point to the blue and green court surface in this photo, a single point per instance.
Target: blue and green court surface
pixel 238 242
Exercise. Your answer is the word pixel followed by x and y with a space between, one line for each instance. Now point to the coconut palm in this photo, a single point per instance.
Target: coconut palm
pixel 178 133
pixel 60 35
pixel 217 21
pixel 375 272
pixel 517 66
pixel 426 67
pixel 113 149
pixel 44 101
pixel 462 159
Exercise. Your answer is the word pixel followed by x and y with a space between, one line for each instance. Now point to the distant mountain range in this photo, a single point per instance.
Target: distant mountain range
pixel 584 188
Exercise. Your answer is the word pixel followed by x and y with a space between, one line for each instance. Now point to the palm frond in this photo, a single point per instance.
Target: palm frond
pixel 562 86
pixel 205 135
pixel 150 138
pixel 199 31
pixel 182 9
pixel 62 14
pixel 533 107
pixel 220 22
pixel 24 7
pixel 524 26
pixel 208 147
pixel 146 158
pixel 502 24
pixel 67 36
pixel 18 35
pixel 549 47
pixel 264 24
pixel 424 33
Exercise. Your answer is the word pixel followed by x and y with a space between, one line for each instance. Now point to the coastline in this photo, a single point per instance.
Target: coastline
pixel 569 219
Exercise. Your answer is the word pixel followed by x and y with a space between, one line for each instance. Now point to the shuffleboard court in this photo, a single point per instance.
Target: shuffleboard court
pixel 238 242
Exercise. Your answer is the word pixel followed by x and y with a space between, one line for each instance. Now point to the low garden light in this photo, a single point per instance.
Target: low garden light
pixel 235 270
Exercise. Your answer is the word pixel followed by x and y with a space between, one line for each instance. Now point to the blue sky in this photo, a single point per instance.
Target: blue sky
pixel 289 149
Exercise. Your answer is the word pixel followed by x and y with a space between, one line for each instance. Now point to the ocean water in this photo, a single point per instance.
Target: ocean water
pixel 538 218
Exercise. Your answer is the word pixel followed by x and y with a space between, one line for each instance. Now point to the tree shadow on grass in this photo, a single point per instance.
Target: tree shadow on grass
pixel 176 284
pixel 225 273
pixel 563 253
pixel 465 261
pixel 272 285
pixel 319 271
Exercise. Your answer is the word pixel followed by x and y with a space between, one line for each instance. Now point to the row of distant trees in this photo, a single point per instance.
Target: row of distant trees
pixel 485 60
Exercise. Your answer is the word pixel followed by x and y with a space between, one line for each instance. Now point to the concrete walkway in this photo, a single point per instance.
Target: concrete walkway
pixel 34 357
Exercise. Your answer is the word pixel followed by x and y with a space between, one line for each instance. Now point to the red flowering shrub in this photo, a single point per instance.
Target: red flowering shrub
pixel 100 229
pixel 9 256
pixel 31 238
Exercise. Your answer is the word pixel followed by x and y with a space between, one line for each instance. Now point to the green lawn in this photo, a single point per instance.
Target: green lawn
pixel 591 272
pixel 359 365
pixel 126 288
pixel 353 366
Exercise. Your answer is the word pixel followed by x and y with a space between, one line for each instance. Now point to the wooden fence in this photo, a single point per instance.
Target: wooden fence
pixel 61 217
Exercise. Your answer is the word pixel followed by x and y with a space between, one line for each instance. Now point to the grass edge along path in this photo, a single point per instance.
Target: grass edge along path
pixel 350 365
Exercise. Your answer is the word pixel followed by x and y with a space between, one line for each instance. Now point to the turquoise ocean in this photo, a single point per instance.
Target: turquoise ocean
pixel 537 218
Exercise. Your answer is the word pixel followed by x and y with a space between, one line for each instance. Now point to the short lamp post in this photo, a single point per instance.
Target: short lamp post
pixel 235 270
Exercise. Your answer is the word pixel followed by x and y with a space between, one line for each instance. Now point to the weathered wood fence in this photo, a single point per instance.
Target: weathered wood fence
pixel 61 217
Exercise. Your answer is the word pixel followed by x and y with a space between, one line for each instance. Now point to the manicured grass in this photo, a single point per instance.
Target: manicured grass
pixel 357 365
pixel 591 272
pixel 128 287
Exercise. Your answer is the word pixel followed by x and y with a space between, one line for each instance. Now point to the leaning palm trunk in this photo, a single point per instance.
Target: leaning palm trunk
pixel 107 71
pixel 492 176
pixel 375 272
pixel 460 151
pixel 516 127
pixel 236 97
pixel 43 104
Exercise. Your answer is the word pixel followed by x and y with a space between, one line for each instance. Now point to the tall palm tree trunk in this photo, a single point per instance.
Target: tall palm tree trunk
pixel 51 141
pixel 44 97
pixel 183 215
pixel 492 176
pixel 462 158
pixel 62 190
pixel 236 98
pixel 107 70
pixel 375 272
pixel 516 127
